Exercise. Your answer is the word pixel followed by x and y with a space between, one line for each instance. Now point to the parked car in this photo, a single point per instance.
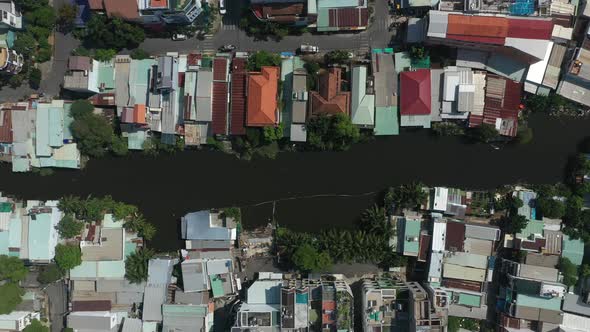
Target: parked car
pixel 227 48
pixel 178 37
pixel 308 49
pixel 222 7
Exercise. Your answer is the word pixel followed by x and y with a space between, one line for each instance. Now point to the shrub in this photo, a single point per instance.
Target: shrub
pixel 67 256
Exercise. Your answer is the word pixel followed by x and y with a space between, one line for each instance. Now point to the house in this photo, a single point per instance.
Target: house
pixel 208 230
pixel 524 39
pixel 262 305
pixel 82 74
pixel 411 228
pixel 330 98
pixel 262 97
pixel 17 320
pixel 415 103
pixel 575 84
pixel 502 106
pixel 297 13
pixel 151 13
pixel 298 104
pixel 221 277
pixel 380 294
pixel 220 99
pixel 42 235
pixel 179 317
pixel 449 201
pixel 103 321
pixel 10 61
pixel 131 325
pixel 239 79
pixel 362 106
pixel 458 96
pixel 427 310
pixel 194 274
pixel 342 15
pixel 12 18
pixel 156 288
pixel 385 86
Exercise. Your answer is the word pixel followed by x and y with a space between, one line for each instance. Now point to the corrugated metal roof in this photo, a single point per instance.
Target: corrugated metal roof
pixel 219 118
pixel 530 28
pixel 573 249
pixel 455 236
pixel 220 69
pixel 467 259
pixel 193 276
pixel 348 17
pixel 438 24
pixel 439 231
pixel 477 26
pixel 465 273
pixel 196 226
pixel 482 232
pixel 238 97
pixel 153 299
pixel 6 126
pixel 476 246
pixel 538 272
pixel 203 95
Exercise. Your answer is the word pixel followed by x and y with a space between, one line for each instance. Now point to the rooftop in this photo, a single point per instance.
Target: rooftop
pixel 415 92
pixel 262 97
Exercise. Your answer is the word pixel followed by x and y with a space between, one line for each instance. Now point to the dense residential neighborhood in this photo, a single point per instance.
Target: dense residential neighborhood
pixel 111 79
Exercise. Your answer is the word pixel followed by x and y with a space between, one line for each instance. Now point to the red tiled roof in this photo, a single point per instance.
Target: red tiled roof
pixel 330 99
pixel 193 59
pixel 415 92
pixel 455 236
pixel 6 126
pixel 238 97
pixel 158 3
pixel 125 9
pixel 98 305
pixel 262 97
pixel 135 114
pixel 530 28
pixel 95 4
pixel 348 17
pixel 219 105
pixel 219 69
pixel 480 26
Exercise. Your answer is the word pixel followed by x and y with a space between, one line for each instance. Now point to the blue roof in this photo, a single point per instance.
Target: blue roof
pixel 42 132
pixel 41 231
pixel 196 226
pixel 56 125
pixel 160 271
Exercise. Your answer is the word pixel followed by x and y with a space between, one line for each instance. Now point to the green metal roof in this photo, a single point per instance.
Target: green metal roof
pixel 106 75
pixel 194 311
pixel 216 286
pixel 323 20
pixel 139 78
pixel 403 61
pixel 362 104
pixel 15 229
pixel 539 302
pixel 386 121
pixel 42 131
pixel 111 269
pixel 573 250
pixel 56 126
pixel 470 300
pixel 135 140
pixel 411 229
pixel 421 63
pixel 5 207
pixel 337 3
pixel 4 242
pixel 532 227
pixel 40 234
pixel 20 165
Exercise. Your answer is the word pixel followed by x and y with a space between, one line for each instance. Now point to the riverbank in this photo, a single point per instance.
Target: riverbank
pixel 167 187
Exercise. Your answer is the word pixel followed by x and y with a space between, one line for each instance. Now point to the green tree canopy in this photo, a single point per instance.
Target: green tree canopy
pixel 11 295
pixel 25 43
pixel 41 17
pixel 104 32
pixel 69 227
pixel 104 54
pixel 569 271
pixel 81 108
pixel 136 265
pixel 585 271
pixel 334 132
pixel 307 258
pixel 35 78
pixel 49 273
pixel 12 269
pixel 36 326
pixel 409 195
pixel 66 15
pixel 67 256
pixel 513 224
pixel 93 134
pixel 139 54
pixel 337 56
pixel 119 146
pixel 263 58
pixel 484 133
pixel 550 207
pixel 29 5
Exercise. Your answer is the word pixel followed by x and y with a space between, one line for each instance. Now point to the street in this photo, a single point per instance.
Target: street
pixel 57 294
pixel 377 36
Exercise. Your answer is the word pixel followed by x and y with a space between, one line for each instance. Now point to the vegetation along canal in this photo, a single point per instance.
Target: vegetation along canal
pixel 339 186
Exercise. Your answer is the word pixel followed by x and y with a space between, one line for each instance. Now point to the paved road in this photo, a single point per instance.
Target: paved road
pixel 57 295
pixel 377 36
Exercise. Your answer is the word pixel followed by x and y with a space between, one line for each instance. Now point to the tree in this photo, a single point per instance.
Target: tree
pixel 104 32
pixel 569 271
pixel 11 295
pixel 525 135
pixel 272 134
pixel 513 224
pixel 585 271
pixel 337 56
pixel 307 258
pixel 69 227
pixel 484 133
pixel 136 265
pixel 454 324
pixel 148 231
pixel 418 52
pixel 49 273
pixel 409 195
pixel 93 134
pixel 25 43
pixel 106 54
pixel 36 326
pixel 29 5
pixel 34 78
pixel 42 17
pixel 67 256
pixel 263 58
pixel 334 132
pixel 66 15
pixel 81 108
pixel 12 269
pixel 119 146
pixel 233 212
pixel 16 81
pixel 43 54
pixel 139 54
pixel 550 207
pixel 374 220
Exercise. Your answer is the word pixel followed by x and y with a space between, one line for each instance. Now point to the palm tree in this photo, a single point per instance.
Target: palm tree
pixel 136 265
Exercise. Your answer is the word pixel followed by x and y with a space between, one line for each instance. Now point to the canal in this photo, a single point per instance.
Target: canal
pixel 312 190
